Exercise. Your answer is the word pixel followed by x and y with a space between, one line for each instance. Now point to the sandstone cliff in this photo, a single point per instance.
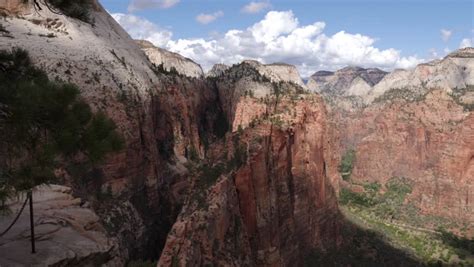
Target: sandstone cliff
pixel 455 71
pixel 428 141
pixel 417 127
pixel 217 70
pixel 170 60
pixel 161 116
pixel 67 233
pixel 277 72
pixel 169 121
pixel 346 81
pixel 241 168
pixel 272 203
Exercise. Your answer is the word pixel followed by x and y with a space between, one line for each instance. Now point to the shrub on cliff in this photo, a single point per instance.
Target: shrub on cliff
pixel 42 123
pixel 79 9
pixel 346 165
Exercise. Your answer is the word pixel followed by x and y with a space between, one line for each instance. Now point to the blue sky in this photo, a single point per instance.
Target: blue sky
pixel 411 28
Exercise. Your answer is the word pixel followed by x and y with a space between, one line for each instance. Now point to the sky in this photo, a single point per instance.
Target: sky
pixel 313 35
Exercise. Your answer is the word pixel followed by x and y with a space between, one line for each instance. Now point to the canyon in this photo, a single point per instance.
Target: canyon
pixel 239 166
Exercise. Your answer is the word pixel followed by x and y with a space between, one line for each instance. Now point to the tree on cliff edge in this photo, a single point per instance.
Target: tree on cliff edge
pixel 43 123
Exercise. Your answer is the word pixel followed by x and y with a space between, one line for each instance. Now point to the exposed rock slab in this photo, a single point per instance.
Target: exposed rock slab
pixel 66 233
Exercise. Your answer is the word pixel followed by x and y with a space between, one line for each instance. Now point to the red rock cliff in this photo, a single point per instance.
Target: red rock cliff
pixel 430 141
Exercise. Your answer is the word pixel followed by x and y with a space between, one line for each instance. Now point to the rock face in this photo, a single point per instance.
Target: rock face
pixel 217 70
pixel 158 114
pixel 67 233
pixel 347 81
pixel 455 71
pixel 428 141
pixel 277 72
pixel 239 169
pixel 277 201
pixel 13 7
pixel 287 203
pixel 418 127
pixel 170 60
pixel 246 80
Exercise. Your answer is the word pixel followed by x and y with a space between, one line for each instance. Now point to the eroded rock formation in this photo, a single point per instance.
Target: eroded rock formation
pixel 241 168
pixel 169 60
pixel 278 202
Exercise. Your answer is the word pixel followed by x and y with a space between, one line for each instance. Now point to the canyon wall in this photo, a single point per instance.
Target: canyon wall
pixel 428 141
pixel 416 124
pixel 162 118
pixel 157 188
pixel 272 207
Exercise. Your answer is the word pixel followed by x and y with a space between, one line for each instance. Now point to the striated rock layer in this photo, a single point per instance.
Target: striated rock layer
pixel 272 207
pixel 429 141
pixel 170 60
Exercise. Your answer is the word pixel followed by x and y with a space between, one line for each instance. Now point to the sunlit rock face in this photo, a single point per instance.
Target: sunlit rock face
pixel 170 60
pixel 347 81
pixel 455 71
pixel 420 127
pixel 278 204
pixel 217 70
pixel 277 72
pixel 67 233
pixel 279 201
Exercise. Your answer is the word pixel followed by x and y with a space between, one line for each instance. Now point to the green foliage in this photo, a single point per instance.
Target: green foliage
pixel 239 157
pixel 240 130
pixel 457 95
pixel 79 9
pixel 193 154
pixel 221 125
pixel 387 205
pixel 401 93
pixel 142 263
pixel 100 137
pixel 43 122
pixel 459 243
pixel 276 121
pixel 348 197
pixel 346 166
pixel 401 224
pixel 161 69
pixel 210 174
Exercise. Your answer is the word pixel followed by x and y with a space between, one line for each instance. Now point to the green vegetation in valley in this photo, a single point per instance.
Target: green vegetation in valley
pixel 141 263
pixel 347 164
pixel 43 124
pixel 387 213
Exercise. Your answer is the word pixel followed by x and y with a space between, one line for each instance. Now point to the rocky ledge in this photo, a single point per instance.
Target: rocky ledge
pixel 67 231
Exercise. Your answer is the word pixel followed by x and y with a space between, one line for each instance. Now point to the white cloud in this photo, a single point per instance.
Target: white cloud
pixel 140 28
pixel 208 18
pixel 256 7
pixel 136 5
pixel 446 34
pixel 433 53
pixel 279 37
pixel 466 42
